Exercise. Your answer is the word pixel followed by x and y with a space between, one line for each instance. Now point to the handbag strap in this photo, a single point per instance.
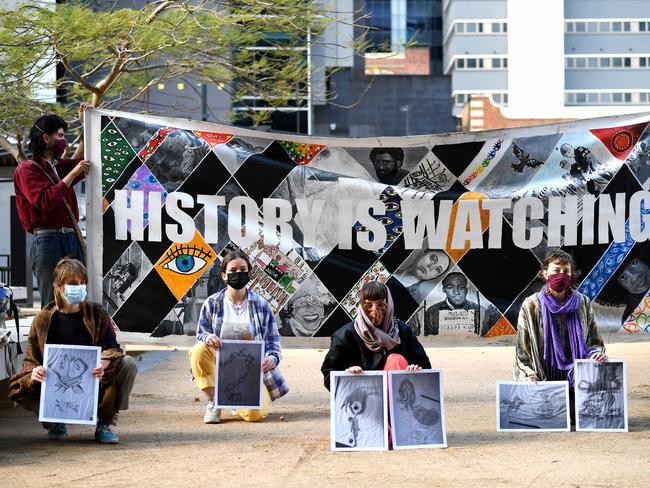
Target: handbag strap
pixel 73 218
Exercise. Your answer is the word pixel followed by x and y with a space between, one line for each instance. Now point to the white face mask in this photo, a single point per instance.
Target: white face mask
pixel 74 294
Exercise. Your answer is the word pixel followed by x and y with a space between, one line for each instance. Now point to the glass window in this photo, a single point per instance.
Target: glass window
pixel 496 63
pixel 505 29
pixel 580 62
pixel 627 26
pixel 480 27
pixel 480 62
pixel 505 62
pixel 569 98
pixel 580 26
pixel 617 97
pixel 643 62
pixel 471 27
pixel 627 62
pixel 643 26
pixel 592 26
pixel 505 98
pixel 569 26
pixel 581 98
pixel 460 28
pixel 569 62
pixel 604 62
pixel 603 26
pixel 592 62
pixel 471 63
pixel 627 97
pixel 496 97
pixel 460 63
pixel 496 27
pixel 643 97
pixel 617 62
pixel 606 98
pixel 592 97
pixel 617 27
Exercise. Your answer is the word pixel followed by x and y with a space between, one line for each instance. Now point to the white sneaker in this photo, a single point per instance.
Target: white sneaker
pixel 212 414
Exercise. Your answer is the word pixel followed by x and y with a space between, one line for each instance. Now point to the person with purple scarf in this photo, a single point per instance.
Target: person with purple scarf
pixel 375 340
pixel 556 326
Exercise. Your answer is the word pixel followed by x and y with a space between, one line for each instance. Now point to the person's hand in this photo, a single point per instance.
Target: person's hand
pixel 413 367
pixel 268 364
pixel 354 370
pixel 82 108
pixel 213 341
pixel 98 372
pixel 600 357
pixel 532 379
pixel 38 374
pixel 82 167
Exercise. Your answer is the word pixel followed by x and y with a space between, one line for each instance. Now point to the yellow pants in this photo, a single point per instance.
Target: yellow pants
pixel 203 360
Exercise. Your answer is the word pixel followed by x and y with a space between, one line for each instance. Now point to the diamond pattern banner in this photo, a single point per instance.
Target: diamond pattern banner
pixel 456 225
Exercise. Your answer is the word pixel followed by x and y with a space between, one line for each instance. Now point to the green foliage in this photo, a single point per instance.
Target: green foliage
pixel 112 58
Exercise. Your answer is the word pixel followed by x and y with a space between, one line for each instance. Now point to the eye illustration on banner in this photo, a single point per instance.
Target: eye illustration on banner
pixel 183 264
pixel 186 260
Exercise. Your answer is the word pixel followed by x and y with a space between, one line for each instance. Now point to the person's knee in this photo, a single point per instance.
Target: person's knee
pixel 128 368
pixel 201 350
pixel 396 361
pixel 253 416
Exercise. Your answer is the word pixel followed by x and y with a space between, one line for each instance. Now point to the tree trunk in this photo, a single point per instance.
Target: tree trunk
pixel 11 149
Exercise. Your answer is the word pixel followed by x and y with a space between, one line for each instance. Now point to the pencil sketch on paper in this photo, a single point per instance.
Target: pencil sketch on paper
pixel 358 411
pixel 239 374
pixel 601 398
pixel 417 409
pixel 541 406
pixel 70 391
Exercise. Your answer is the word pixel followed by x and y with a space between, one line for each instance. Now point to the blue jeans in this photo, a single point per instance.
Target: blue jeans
pixel 46 251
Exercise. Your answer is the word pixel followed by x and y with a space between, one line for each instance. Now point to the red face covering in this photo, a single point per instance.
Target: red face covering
pixel 60 145
pixel 559 282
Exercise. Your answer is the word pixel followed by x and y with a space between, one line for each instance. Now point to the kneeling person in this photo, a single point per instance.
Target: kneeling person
pixel 71 320
pixel 236 313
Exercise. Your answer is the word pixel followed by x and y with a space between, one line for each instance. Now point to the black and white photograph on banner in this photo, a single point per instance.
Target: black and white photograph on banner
pixel 306 310
pixel 124 277
pixel 176 157
pixel 358 411
pixel 239 374
pixel 601 395
pixel 533 407
pixel 422 271
pixel 455 307
pixel 233 153
pixel 639 160
pixel 70 392
pixel 417 412
pixel 388 165
pixel 429 177
pixel 136 132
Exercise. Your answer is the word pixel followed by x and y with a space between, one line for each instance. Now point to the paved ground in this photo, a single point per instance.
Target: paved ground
pixel 165 443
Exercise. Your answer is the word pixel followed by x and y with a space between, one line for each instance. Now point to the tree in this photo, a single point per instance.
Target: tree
pixel 112 58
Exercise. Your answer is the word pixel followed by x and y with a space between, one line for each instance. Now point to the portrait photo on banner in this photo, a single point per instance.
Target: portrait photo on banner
pixel 239 374
pixel 358 411
pixel 601 395
pixel 70 392
pixel 417 409
pixel 534 407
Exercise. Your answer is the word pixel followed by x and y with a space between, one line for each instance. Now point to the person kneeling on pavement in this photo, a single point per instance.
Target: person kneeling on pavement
pixel 72 320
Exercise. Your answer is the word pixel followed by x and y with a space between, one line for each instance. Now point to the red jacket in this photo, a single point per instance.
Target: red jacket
pixel 39 202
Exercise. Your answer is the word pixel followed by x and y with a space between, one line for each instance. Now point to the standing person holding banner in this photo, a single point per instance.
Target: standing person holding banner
pixel 46 202
pixel 556 326
pixel 236 313
pixel 375 340
pixel 74 321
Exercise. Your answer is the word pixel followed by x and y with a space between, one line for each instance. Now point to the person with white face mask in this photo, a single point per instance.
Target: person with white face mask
pixel 72 320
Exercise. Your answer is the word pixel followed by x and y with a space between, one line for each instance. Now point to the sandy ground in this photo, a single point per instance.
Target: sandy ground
pixel 165 443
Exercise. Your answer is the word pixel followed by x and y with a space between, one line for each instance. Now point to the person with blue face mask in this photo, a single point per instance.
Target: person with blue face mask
pixel 70 319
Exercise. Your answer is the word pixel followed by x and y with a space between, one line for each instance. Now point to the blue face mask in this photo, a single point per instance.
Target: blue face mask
pixel 74 294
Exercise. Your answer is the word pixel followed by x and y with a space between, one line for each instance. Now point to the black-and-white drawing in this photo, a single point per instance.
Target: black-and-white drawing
pixel 176 157
pixel 639 160
pixel 417 414
pixel 539 407
pixel 422 271
pixel 456 307
pixel 306 310
pixel 70 391
pixel 388 165
pixel 430 176
pixel 124 277
pixel 136 132
pixel 359 416
pixel 239 374
pixel 236 150
pixel 601 395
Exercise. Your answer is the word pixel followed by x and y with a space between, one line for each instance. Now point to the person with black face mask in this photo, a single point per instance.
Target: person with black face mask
pixel 556 326
pixel 46 202
pixel 236 313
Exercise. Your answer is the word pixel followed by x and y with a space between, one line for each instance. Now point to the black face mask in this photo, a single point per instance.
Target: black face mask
pixel 237 279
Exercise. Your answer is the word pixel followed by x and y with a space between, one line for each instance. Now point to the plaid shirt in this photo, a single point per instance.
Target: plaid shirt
pixel 264 329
